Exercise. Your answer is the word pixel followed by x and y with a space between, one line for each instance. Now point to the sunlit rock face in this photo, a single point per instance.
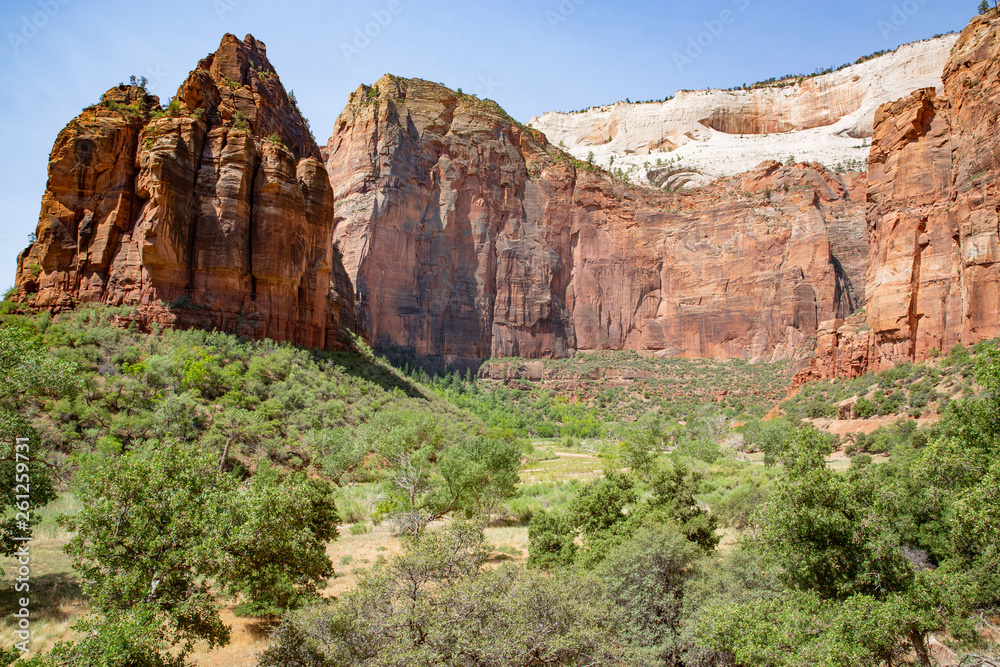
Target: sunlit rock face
pixel 215 214
pixel 468 235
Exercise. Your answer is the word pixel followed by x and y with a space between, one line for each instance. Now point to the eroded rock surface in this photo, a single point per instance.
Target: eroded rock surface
pixel 217 213
pixel 470 236
pixel 932 277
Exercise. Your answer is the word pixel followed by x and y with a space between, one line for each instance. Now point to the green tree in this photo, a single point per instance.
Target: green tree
pixel 673 501
pixel 831 536
pixel 638 451
pixel 849 545
pixel 472 476
pixel 436 605
pixel 551 540
pixel 26 373
pixel 236 426
pixel 645 576
pixel 161 534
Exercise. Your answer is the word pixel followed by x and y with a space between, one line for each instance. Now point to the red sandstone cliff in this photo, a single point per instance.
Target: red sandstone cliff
pixel 934 196
pixel 470 236
pixel 216 214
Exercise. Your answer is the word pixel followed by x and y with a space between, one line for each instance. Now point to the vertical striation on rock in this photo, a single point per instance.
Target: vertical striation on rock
pixel 215 213
pixel 934 196
pixel 471 236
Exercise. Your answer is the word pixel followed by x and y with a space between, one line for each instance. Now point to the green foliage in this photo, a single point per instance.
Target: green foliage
pixel 886 554
pixel 904 433
pixel 551 541
pixel 912 390
pixel 472 476
pixel 26 487
pixel 830 535
pixel 241 122
pixel 602 504
pixel 645 576
pixel 337 415
pixel 26 373
pixel 161 533
pixel 772 437
pixel 673 501
pixel 608 511
pixel 435 605
pixel 135 110
pixel 276 141
pixel 673 390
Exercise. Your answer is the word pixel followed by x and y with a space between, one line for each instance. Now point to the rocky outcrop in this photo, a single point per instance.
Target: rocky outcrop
pixel 470 236
pixel 934 243
pixel 933 272
pixel 720 133
pixel 215 212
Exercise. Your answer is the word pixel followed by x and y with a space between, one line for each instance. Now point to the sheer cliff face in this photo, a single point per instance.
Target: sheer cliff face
pixel 469 236
pixel 716 133
pixel 934 229
pixel 217 214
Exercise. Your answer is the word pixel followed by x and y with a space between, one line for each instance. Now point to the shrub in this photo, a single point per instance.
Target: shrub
pixel 865 409
pixel 241 122
pixel 551 541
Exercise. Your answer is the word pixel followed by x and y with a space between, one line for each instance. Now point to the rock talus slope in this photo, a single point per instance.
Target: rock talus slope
pixel 470 236
pixel 217 213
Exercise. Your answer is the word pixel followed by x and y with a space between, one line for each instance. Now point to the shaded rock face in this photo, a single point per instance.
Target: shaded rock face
pixel 216 214
pixel 934 196
pixel 470 236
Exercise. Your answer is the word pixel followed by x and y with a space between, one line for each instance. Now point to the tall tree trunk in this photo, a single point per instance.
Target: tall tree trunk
pixel 920 646
pixel 225 455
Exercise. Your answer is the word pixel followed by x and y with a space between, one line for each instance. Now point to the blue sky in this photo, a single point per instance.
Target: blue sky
pixel 532 56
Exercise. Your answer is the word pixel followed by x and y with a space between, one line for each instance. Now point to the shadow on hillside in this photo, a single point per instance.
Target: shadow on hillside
pixel 355 364
pixel 50 595
pixel 407 360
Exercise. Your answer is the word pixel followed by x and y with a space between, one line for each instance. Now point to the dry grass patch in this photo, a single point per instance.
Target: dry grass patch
pixel 57 602
pixel 249 638
pixel 564 467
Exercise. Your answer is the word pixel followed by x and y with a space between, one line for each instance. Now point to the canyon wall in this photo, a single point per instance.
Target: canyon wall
pixel 934 230
pixel 716 133
pixel 215 213
pixel 463 233
pixel 470 236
